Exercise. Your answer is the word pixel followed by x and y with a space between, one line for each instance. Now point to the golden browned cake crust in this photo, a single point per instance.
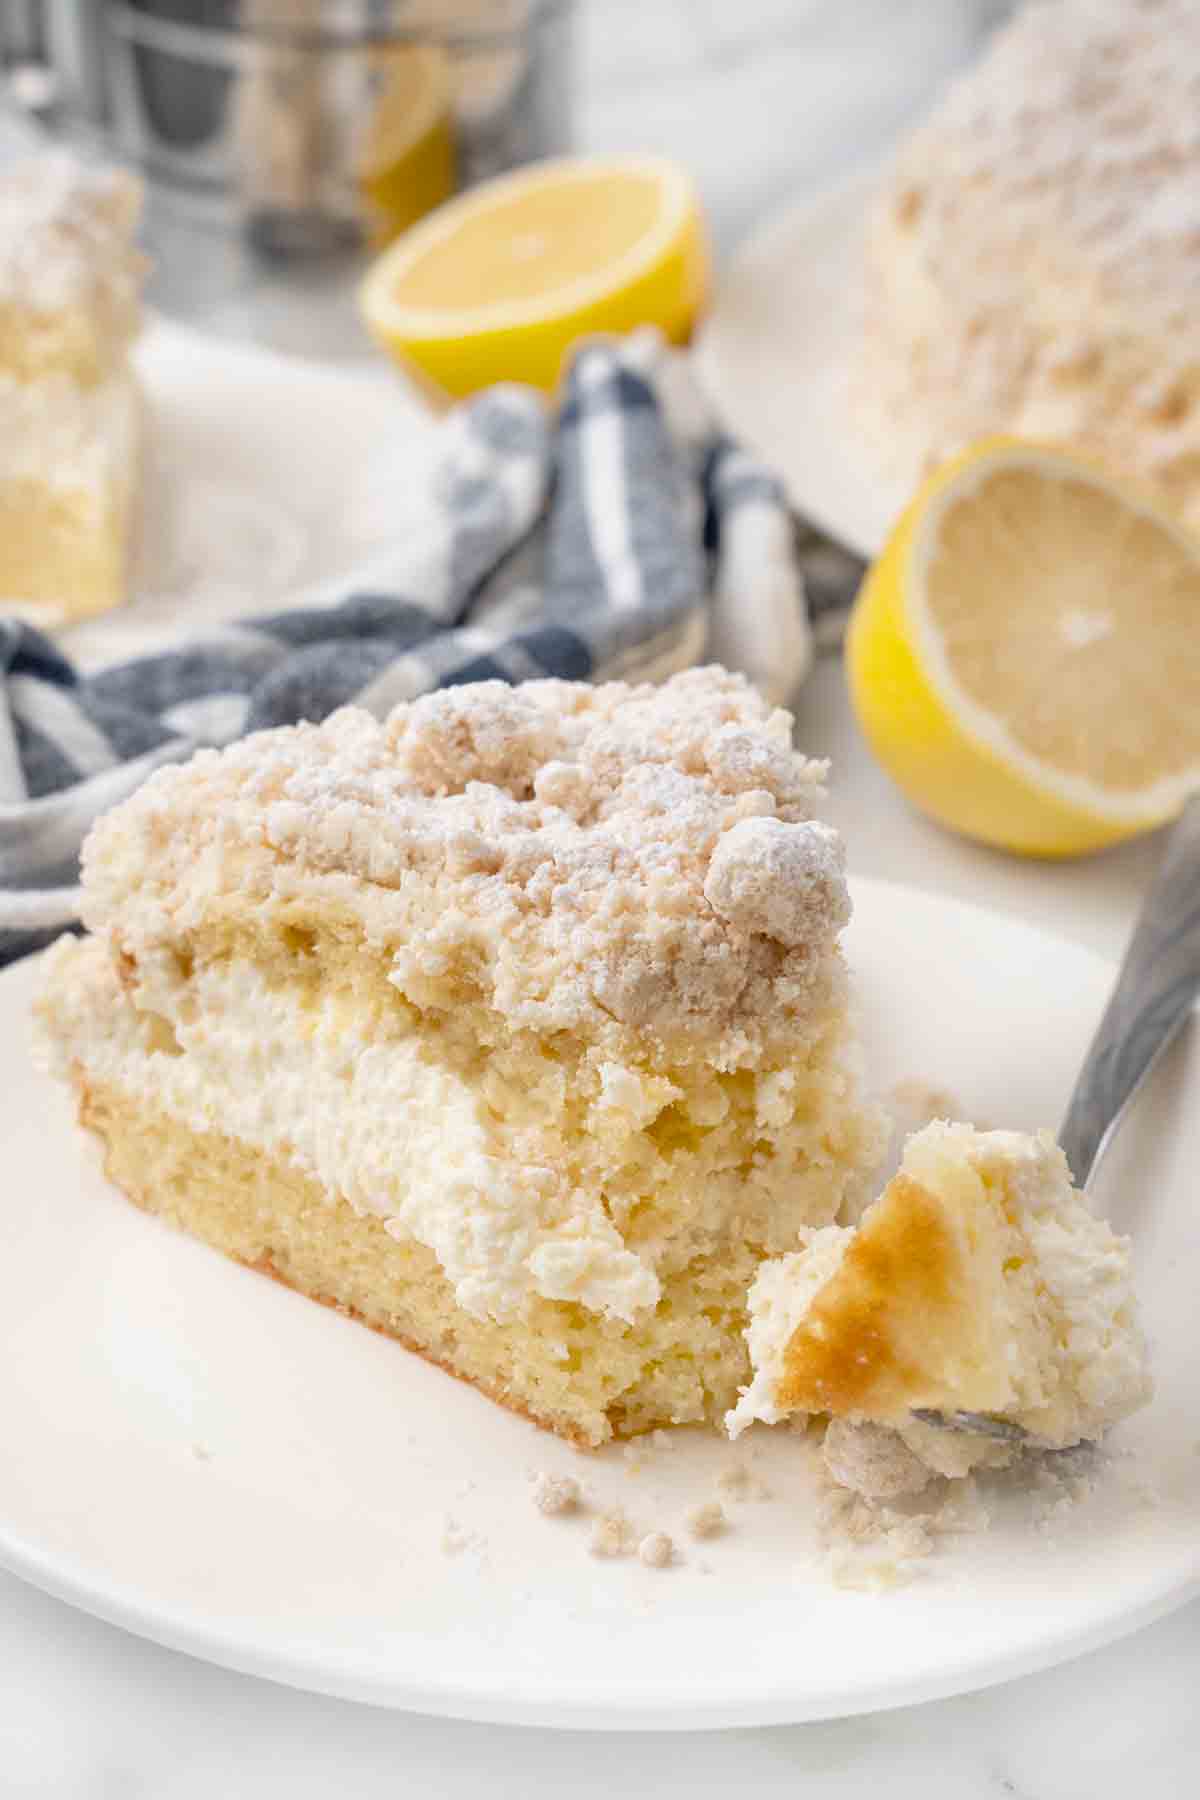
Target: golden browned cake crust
pixel 979 1281
pixel 884 1326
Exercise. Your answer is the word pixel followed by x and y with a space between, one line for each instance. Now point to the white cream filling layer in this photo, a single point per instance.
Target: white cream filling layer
pixel 66 435
pixel 383 1123
pixel 1084 1268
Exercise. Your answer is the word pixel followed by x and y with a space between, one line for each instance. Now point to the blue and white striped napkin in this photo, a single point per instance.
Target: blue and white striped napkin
pixel 623 537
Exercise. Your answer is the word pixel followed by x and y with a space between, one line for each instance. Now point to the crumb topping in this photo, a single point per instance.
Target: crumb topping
pixel 787 881
pixel 601 859
pixel 1034 263
pixel 65 239
pixel 1081 126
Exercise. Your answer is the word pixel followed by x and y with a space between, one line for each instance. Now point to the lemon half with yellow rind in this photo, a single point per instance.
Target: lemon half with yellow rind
pixel 498 284
pixel 1024 656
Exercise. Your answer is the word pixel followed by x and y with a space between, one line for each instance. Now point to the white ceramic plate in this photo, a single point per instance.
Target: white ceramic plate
pixel 775 353
pixel 264 478
pixel 195 1453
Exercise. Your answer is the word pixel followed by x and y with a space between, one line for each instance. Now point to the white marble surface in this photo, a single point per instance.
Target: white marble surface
pixel 88 1715
pixel 762 98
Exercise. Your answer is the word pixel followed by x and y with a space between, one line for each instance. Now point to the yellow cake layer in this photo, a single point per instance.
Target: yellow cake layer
pixel 683 1178
pixel 64 552
pixel 69 459
pixel 584 1377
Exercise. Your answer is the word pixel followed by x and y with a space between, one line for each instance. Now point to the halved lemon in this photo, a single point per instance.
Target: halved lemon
pixel 498 284
pixel 1024 656
pixel 406 160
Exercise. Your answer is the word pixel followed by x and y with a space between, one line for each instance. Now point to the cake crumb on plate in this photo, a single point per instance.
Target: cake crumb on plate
pixel 612 1535
pixel 656 1550
pixel 706 1521
pixel 454 1538
pixel 872 1460
pixel 554 1495
pixel 741 1483
pixel 870 1572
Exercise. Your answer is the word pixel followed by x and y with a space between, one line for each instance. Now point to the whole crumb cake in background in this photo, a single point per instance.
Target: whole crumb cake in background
pixel 516 1025
pixel 70 293
pixel 1033 263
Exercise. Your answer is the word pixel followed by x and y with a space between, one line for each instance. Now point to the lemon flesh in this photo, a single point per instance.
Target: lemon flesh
pixel 499 284
pixel 1024 657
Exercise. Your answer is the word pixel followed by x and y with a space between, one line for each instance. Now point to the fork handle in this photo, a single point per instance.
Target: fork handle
pixel 1156 987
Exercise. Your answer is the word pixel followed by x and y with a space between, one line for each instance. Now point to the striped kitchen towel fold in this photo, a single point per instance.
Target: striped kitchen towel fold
pixel 621 538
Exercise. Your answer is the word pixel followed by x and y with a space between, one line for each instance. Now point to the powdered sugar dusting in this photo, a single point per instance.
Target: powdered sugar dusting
pixel 788 881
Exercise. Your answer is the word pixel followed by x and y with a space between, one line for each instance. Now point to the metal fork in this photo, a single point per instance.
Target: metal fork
pixel 1154 993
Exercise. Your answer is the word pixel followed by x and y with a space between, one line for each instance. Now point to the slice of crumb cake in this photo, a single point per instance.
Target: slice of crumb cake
pixel 516 1026
pixel 70 411
pixel 979 1281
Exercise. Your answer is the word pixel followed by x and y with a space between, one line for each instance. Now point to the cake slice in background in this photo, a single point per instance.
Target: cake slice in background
pixel 979 1282
pixel 516 1026
pixel 70 286
pixel 1032 263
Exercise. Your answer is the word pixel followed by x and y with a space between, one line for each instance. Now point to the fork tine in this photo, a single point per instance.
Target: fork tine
pixel 982 1424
